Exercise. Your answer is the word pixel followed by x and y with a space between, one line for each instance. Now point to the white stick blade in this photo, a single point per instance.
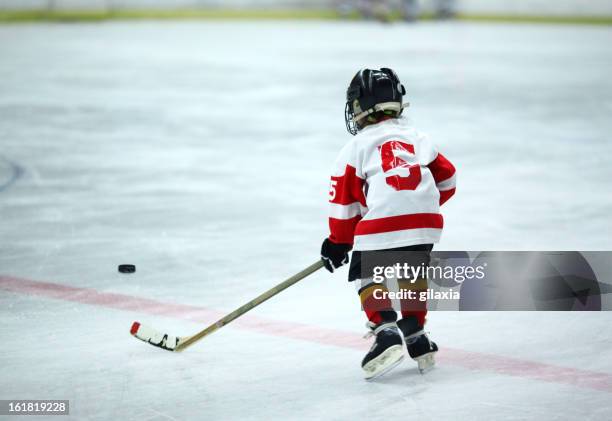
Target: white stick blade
pixel 151 336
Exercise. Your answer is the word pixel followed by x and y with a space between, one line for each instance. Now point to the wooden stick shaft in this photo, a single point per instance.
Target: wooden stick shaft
pixel 250 305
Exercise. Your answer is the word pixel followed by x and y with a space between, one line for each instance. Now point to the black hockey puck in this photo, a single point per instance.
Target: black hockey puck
pixel 127 268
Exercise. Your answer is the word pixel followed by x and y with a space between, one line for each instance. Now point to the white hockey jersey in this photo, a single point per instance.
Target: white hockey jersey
pixel 387 187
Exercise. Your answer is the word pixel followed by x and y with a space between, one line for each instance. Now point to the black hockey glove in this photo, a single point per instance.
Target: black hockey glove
pixel 334 255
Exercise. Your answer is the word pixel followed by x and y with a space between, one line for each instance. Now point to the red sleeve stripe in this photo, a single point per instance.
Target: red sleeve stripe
pixel 343 230
pixel 348 188
pixel 345 211
pixel 399 223
pixel 445 195
pixel 441 168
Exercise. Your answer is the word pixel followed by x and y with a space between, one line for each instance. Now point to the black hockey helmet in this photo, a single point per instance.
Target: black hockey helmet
pixel 370 92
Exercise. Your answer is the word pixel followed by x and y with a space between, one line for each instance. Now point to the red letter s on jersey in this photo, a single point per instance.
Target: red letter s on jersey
pixel 390 161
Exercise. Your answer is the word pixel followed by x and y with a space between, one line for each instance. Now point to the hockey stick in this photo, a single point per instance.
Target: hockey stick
pixel 180 343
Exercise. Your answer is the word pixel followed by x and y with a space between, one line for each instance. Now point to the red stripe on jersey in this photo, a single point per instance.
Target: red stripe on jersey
pixel 441 168
pixel 343 230
pixel 445 195
pixel 348 188
pixel 399 223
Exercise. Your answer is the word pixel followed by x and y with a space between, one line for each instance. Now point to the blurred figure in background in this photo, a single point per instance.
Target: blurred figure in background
pixel 444 9
pixel 375 10
pixel 381 10
pixel 387 10
pixel 410 10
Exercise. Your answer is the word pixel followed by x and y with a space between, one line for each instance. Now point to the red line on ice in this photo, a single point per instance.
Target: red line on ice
pixel 451 356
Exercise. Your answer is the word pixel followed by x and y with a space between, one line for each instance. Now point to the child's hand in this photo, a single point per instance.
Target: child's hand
pixel 334 255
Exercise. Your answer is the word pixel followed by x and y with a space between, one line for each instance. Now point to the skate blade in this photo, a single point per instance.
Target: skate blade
pixel 426 362
pixel 384 363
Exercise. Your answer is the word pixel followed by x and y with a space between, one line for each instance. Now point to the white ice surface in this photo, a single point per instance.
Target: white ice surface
pixel 200 151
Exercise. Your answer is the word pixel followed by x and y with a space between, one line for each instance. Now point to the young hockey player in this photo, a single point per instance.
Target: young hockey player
pixel 385 195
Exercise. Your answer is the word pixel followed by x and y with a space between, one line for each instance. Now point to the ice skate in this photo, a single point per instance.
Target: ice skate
pixel 420 347
pixel 385 353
